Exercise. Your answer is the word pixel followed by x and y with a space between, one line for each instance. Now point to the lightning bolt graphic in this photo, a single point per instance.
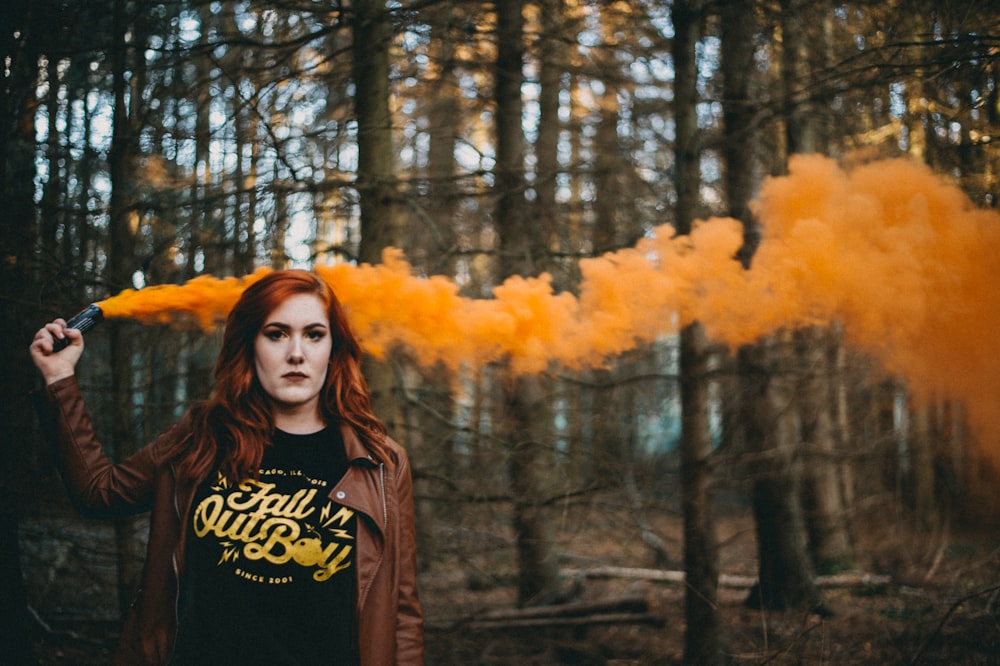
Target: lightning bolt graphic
pixel 341 517
pixel 229 554
pixel 221 483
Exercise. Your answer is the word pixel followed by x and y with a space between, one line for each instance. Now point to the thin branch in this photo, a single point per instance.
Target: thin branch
pixel 954 607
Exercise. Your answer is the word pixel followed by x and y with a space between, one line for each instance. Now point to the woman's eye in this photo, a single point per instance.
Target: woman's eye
pixel 316 335
pixel 274 334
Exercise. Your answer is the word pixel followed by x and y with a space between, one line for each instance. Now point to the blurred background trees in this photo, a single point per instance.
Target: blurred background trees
pixel 146 142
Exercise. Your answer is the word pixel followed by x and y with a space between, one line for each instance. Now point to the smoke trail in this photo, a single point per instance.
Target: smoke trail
pixel 896 254
pixel 208 299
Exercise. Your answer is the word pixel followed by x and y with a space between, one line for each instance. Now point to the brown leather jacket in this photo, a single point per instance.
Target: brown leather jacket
pixel 389 617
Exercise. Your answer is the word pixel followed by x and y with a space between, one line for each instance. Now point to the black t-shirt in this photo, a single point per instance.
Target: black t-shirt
pixel 269 570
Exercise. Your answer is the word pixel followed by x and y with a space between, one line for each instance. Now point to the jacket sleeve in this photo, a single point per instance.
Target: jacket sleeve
pixel 409 616
pixel 96 485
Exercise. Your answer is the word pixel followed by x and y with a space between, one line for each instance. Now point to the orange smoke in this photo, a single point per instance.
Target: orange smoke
pixel 897 255
pixel 208 299
pixel 903 259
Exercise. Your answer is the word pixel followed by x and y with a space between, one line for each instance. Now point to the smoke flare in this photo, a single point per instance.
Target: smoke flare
pixel 896 254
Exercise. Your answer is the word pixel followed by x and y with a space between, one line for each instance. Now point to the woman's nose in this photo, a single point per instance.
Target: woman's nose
pixel 295 354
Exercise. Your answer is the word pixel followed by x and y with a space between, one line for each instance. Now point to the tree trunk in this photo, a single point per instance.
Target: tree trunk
pixel 840 398
pixel 17 231
pixel 737 50
pixel 608 456
pixel 608 165
pixel 799 44
pixel 702 635
pixel 785 572
pixel 549 125
pixel 921 481
pixel 121 262
pixel 52 191
pixel 431 245
pixel 201 242
pixel 530 464
pixel 882 403
pixel 702 641
pixel 372 35
pixel 804 39
pixel 444 107
pixel 829 540
pixel 522 251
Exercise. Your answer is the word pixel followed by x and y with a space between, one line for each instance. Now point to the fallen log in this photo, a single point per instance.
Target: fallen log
pixel 725 580
pixel 633 603
pixel 576 621
pixel 631 609
pixel 849 579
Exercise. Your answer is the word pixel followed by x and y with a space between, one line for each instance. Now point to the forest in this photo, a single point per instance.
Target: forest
pixel 684 310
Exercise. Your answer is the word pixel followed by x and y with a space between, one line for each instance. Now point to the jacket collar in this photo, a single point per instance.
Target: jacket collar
pixel 355 448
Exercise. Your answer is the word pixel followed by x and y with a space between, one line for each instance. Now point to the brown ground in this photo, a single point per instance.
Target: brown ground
pixel 942 606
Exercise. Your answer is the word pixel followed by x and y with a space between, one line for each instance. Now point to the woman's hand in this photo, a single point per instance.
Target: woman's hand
pixel 56 365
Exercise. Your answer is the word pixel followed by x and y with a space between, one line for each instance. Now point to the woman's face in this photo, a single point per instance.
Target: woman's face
pixel 292 355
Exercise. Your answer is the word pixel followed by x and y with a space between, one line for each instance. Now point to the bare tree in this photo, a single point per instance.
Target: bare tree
pixel 524 422
pixel 17 226
pixel 701 560
pixel 121 264
pixel 805 49
pixel 371 39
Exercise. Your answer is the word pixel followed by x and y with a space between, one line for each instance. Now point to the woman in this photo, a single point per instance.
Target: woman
pixel 281 526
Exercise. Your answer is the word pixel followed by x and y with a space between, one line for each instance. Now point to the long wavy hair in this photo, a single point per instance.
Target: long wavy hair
pixel 231 428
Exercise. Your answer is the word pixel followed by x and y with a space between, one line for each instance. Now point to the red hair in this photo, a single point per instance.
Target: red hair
pixel 231 428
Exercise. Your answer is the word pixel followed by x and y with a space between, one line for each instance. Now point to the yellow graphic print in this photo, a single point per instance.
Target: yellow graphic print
pixel 263 524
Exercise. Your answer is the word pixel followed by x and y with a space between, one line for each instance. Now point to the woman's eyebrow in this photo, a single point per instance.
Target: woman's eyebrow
pixel 287 327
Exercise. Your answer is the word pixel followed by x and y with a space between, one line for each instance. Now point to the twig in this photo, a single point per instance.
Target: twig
pixel 940 627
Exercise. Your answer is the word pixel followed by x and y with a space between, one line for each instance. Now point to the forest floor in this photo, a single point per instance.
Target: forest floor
pixel 941 603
